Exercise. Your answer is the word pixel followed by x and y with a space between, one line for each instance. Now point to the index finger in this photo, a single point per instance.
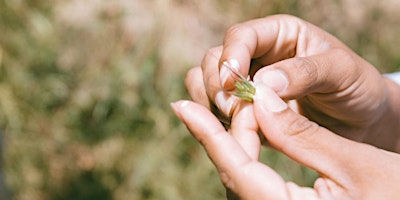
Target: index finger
pixel 238 171
pixel 268 40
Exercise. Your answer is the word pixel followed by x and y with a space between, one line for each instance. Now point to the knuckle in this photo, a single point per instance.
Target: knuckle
pixel 239 36
pixel 348 71
pixel 306 70
pixel 239 31
pixel 211 57
pixel 302 127
pixel 234 29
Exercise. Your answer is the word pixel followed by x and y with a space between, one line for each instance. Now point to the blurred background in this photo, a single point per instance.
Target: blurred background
pixel 85 88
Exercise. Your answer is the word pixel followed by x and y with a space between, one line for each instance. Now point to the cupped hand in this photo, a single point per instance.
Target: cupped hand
pixel 330 84
pixel 348 169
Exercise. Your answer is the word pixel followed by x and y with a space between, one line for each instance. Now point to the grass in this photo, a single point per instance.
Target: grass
pixel 85 88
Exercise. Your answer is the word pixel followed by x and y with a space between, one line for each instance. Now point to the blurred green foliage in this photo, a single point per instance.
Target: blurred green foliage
pixel 85 88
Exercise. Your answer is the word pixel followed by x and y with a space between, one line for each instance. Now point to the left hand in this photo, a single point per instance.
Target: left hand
pixel 235 114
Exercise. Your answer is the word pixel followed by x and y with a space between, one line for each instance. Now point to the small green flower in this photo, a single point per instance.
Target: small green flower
pixel 244 88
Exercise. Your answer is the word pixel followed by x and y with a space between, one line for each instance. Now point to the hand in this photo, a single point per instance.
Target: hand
pixel 330 84
pixel 348 170
pixel 242 119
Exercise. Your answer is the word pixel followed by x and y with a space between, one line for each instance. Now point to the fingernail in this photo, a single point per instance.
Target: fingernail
pixel 181 103
pixel 268 99
pixel 175 105
pixel 224 103
pixel 225 72
pixel 184 103
pixel 275 79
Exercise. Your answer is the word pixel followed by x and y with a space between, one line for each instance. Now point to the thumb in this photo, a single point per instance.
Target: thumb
pixel 302 140
pixel 327 72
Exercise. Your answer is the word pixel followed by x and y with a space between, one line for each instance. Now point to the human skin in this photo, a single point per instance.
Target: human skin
pixel 330 92
pixel 348 169
pixel 318 75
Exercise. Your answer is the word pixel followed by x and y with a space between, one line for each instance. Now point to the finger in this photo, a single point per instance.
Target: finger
pixel 238 171
pixel 206 128
pixel 244 129
pixel 322 188
pixel 225 102
pixel 331 78
pixel 341 162
pixel 209 66
pixel 195 86
pixel 269 40
pixel 243 125
pixel 328 72
pixel 303 140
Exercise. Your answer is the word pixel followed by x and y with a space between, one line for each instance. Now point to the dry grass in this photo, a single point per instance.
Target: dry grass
pixel 85 88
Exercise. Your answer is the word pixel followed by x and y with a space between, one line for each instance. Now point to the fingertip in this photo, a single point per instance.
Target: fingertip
pixel 225 103
pixel 229 71
pixel 267 100
pixel 176 106
pixel 238 58
pixel 274 78
pixel 224 74
pixel 322 189
pixel 320 184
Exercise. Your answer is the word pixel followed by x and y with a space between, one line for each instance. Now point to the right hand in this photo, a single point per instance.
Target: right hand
pixel 330 84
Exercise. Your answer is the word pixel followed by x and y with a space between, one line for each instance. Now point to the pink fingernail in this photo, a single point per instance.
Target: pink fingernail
pixel 275 79
pixel 225 73
pixel 224 102
pixel 184 103
pixel 268 99
pixel 178 106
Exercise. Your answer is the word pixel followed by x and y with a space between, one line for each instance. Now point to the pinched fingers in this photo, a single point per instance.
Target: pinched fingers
pixel 238 171
pixel 261 41
pixel 329 72
pixel 204 87
pixel 269 40
pixel 195 85
pixel 343 87
pixel 218 96
pixel 341 162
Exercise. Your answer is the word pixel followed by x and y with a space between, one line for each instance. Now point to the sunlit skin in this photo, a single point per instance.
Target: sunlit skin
pixel 316 101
